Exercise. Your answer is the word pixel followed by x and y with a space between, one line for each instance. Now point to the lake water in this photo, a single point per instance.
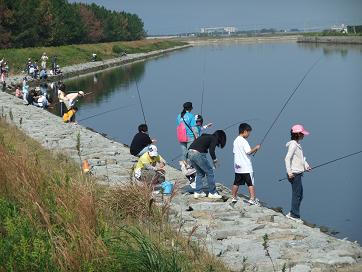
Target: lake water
pixel 251 81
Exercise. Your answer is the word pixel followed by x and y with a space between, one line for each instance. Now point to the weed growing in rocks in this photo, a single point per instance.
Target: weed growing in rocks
pixel 266 249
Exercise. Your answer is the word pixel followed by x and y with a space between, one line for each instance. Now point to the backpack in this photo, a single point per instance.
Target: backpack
pixel 181 133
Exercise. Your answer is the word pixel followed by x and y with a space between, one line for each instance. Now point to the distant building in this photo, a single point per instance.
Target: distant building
pixel 218 30
pixel 342 28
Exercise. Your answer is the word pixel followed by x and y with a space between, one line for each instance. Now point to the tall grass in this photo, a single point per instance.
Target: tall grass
pixel 54 218
pixel 75 54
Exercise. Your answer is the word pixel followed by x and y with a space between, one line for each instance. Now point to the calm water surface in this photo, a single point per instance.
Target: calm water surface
pixel 251 81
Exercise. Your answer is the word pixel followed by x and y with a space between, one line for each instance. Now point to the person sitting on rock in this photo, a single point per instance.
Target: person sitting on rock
pixel 150 167
pixel 18 92
pixel 69 116
pixel 41 101
pixel 141 141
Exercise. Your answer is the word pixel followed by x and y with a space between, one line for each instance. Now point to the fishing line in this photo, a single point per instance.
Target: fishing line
pixel 101 113
pixel 203 84
pixel 323 164
pixel 254 119
pixel 289 98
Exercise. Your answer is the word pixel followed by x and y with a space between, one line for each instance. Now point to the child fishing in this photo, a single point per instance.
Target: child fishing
pixel 243 167
pixel 296 164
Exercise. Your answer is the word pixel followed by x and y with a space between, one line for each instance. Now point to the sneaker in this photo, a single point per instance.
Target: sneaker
pixel 198 195
pixel 214 195
pixel 193 185
pixel 254 202
pixel 298 220
pixel 234 200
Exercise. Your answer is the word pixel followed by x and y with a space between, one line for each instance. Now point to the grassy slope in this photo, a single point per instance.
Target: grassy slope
pixel 75 54
pixel 53 218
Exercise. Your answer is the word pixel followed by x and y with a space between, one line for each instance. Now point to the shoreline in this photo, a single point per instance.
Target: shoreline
pixel 331 39
pixel 230 233
pixel 74 71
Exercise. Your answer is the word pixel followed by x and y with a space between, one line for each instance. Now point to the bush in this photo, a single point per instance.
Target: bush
pixel 23 247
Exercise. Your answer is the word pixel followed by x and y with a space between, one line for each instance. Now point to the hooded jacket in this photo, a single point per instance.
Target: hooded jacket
pixel 295 162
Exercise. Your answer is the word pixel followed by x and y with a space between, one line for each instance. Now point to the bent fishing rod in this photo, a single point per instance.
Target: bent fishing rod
pixel 104 112
pixel 287 101
pixel 328 162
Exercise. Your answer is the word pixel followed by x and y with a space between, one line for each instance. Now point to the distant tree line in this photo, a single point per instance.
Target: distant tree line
pixel 29 23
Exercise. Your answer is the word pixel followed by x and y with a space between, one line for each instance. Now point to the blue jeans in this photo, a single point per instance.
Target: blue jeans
pixel 184 148
pixel 297 194
pixel 203 168
pixel 143 151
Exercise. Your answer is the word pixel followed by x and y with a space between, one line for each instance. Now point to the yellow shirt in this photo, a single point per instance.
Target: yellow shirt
pixel 147 159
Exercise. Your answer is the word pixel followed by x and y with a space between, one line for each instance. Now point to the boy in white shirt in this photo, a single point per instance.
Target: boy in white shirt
pixel 242 164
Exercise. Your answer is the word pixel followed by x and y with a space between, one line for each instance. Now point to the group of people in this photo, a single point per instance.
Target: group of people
pixel 195 144
pixel 33 70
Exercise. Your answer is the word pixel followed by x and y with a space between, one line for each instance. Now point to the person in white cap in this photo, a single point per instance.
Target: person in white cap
pixel 150 167
pixel 70 99
pixel 296 165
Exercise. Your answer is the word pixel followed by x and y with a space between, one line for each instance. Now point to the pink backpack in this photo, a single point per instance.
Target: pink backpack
pixel 181 133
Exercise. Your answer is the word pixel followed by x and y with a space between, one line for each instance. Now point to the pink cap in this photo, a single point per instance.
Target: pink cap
pixel 299 129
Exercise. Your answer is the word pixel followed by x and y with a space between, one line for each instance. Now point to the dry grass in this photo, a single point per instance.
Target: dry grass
pixel 90 228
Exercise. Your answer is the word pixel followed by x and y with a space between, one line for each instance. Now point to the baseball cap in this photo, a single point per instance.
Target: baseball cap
pixel 81 93
pixel 152 149
pixel 299 129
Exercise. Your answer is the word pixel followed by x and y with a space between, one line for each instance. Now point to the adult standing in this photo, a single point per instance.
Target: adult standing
pixel 44 59
pixel 197 156
pixel 54 63
pixel 186 120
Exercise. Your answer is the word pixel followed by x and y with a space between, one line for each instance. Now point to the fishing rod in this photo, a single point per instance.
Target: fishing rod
pixel 323 164
pixel 139 97
pixel 203 85
pixel 108 111
pixel 289 98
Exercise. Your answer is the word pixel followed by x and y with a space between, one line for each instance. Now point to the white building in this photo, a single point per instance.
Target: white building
pixel 221 30
pixel 342 28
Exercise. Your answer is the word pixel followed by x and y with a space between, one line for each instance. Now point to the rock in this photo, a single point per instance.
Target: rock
pixel 265 219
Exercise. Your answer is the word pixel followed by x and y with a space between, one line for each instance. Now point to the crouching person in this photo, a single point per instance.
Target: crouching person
pixel 150 167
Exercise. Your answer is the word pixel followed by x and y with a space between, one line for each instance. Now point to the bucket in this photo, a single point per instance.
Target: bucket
pixel 85 166
pixel 167 187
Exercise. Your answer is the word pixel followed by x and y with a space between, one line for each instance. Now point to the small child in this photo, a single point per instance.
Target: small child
pixel 242 164
pixel 18 92
pixel 199 124
pixel 296 164
pixel 69 116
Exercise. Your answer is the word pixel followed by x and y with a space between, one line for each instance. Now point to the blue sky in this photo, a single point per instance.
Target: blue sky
pixel 177 16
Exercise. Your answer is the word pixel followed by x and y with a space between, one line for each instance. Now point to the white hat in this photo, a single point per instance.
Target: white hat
pixel 152 150
pixel 81 93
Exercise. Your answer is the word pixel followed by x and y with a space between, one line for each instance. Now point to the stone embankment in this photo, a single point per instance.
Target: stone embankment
pixel 256 39
pixel 232 233
pixel 331 39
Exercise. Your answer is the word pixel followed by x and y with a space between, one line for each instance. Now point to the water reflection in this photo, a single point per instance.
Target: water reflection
pixel 329 49
pixel 102 85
